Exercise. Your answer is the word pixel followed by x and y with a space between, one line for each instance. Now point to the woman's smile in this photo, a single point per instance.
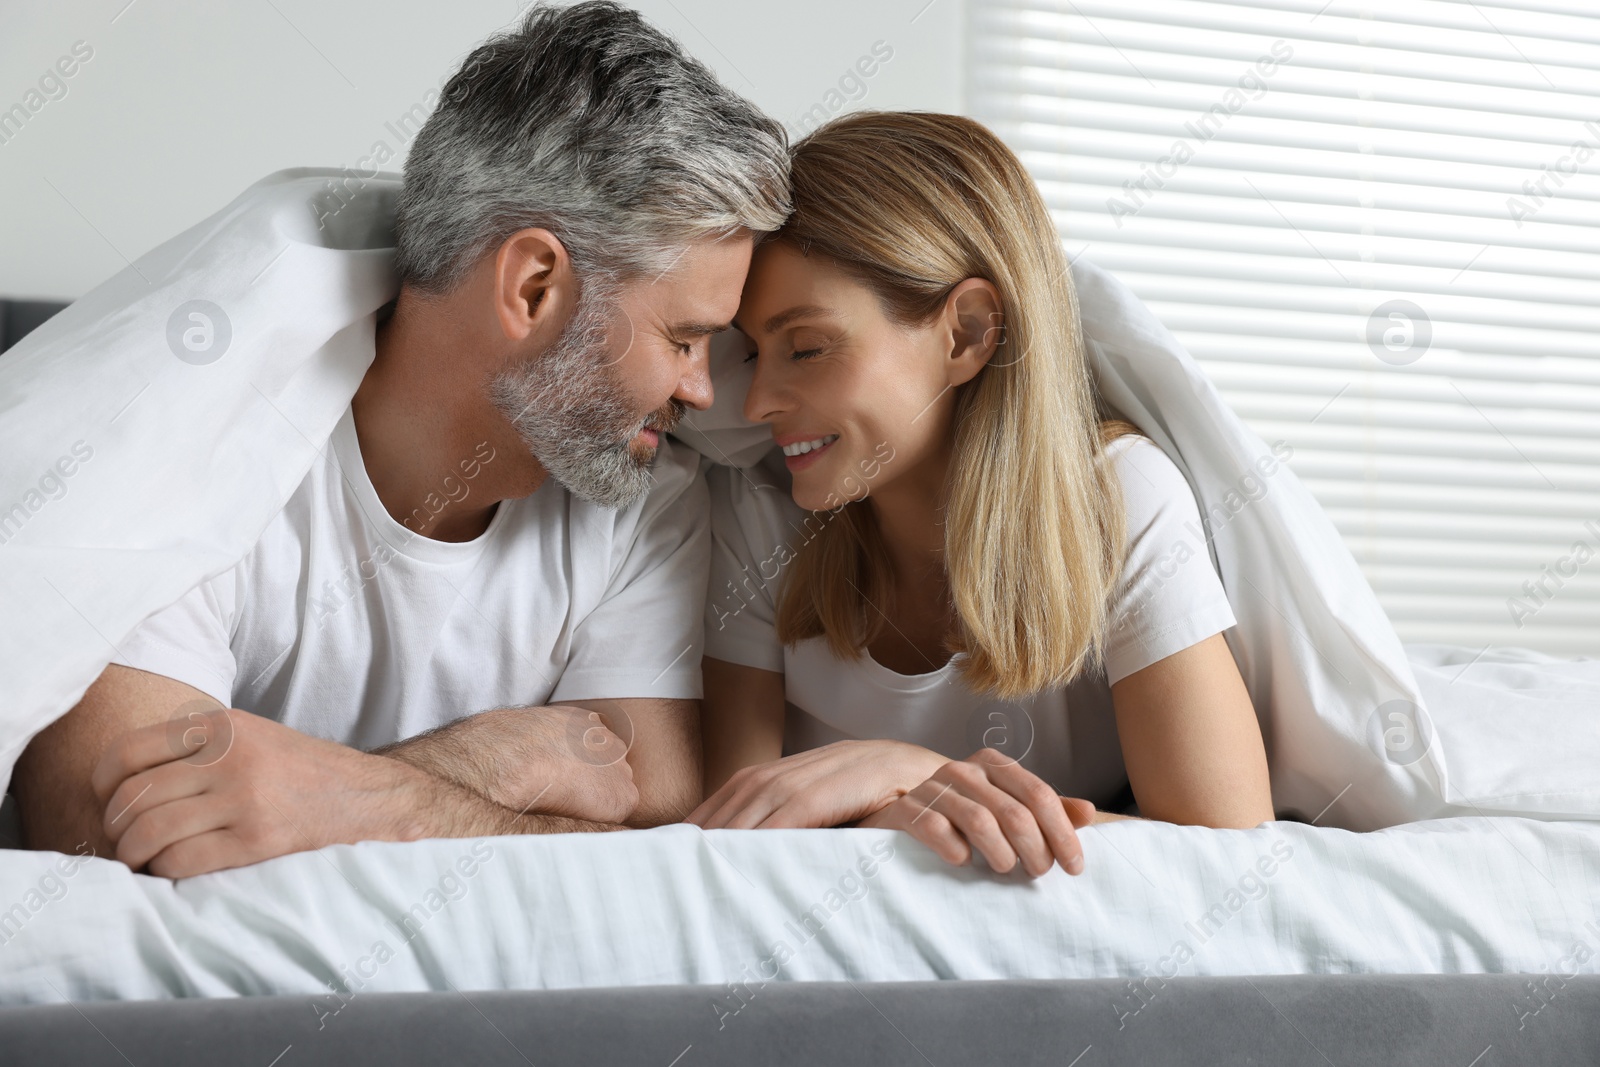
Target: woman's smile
pixel 800 452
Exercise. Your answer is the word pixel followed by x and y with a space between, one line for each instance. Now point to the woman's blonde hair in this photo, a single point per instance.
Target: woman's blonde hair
pixel 910 204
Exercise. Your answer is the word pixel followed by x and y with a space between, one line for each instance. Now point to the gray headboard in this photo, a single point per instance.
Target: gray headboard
pixel 19 317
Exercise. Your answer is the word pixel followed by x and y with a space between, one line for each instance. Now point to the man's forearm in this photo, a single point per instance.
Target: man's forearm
pixel 660 739
pixel 435 807
pixel 442 753
pixel 526 759
pixel 646 815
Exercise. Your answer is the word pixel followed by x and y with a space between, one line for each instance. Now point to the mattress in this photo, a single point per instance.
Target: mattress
pixel 745 911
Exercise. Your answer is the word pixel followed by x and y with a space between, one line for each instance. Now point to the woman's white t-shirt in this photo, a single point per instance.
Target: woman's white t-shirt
pixel 1168 598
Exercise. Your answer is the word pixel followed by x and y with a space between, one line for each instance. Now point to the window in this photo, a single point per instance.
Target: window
pixel 1375 229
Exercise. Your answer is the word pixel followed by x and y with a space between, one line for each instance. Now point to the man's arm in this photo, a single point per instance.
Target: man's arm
pixel 58 807
pixel 149 770
pixel 663 747
pixel 554 759
pixel 634 760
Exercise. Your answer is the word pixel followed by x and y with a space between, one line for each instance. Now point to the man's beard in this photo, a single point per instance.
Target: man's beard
pixel 574 415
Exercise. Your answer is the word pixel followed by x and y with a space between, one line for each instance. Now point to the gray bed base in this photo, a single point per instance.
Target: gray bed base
pixel 1348 1020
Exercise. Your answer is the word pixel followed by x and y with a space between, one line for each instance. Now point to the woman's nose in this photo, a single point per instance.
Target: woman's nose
pixel 764 402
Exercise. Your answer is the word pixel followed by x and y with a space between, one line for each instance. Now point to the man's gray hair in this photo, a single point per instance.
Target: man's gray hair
pixel 590 123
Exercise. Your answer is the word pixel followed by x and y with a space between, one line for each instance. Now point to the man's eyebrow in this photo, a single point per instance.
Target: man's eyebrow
pixel 698 329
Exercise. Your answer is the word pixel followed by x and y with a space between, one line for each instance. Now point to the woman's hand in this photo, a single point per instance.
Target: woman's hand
pixel 825 786
pixel 991 803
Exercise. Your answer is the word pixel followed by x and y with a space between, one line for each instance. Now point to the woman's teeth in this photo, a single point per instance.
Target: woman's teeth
pixel 800 448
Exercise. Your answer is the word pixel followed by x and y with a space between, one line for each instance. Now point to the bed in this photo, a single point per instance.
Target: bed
pixel 1445 940
pixel 1465 940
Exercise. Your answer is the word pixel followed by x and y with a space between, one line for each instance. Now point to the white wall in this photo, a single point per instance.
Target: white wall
pixel 183 103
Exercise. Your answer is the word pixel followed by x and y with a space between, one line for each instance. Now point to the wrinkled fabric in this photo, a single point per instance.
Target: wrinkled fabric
pixel 682 905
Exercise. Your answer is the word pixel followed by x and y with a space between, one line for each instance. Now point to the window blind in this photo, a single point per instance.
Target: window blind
pixel 1374 226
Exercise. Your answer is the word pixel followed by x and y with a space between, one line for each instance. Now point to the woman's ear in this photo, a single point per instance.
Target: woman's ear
pixel 977 328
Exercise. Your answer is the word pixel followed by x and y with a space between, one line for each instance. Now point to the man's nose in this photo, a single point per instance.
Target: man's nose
pixel 694 386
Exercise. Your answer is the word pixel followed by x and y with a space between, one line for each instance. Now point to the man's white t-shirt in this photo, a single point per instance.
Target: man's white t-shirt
pixel 345 624
pixel 1168 598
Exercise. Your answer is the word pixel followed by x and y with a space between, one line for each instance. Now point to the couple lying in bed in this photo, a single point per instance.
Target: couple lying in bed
pixel 481 611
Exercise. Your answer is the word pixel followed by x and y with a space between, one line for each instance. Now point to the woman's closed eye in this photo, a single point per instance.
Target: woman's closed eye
pixel 806 353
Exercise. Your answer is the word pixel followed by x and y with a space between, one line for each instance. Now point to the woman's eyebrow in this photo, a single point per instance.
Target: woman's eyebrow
pixel 783 318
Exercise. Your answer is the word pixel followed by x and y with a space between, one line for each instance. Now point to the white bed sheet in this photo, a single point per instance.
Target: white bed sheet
pixel 680 905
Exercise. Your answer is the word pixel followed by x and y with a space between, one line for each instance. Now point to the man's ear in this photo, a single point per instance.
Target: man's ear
pixel 977 328
pixel 533 284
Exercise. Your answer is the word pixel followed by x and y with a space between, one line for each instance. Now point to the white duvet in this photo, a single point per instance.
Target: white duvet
pixel 680 905
pixel 179 459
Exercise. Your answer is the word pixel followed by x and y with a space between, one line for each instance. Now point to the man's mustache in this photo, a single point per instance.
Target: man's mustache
pixel 666 418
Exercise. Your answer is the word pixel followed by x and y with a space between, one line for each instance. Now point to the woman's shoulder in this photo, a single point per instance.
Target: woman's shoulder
pixel 1136 456
pixel 1148 475
pixel 1169 594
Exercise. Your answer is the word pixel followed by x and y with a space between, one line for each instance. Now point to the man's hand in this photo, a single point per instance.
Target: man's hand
pixel 662 737
pixel 223 788
pixel 226 787
pixel 825 786
pixel 557 759
pixel 991 803
pixel 634 760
